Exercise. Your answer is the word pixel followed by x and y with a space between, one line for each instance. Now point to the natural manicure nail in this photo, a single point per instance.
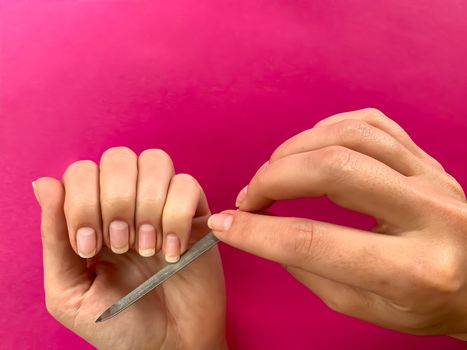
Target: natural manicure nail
pixel 119 236
pixel 220 222
pixel 86 242
pixel 147 240
pixel 172 248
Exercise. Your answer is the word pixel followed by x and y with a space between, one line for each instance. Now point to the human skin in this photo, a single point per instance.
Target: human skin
pixel 87 268
pixel 409 273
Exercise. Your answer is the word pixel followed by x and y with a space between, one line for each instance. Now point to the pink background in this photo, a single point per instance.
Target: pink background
pixel 218 84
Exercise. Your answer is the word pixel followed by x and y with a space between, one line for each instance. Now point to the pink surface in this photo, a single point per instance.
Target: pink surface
pixel 218 84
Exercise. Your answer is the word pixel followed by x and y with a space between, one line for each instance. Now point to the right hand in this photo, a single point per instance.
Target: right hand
pixel 409 273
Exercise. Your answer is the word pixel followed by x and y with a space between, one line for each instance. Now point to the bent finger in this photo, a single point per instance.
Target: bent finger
pixel 155 170
pixel 185 200
pixel 350 179
pixel 82 207
pixel 379 120
pixel 358 136
pixel 62 267
pixel 118 178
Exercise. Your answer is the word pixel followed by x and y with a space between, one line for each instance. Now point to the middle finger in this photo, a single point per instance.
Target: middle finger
pixel 118 176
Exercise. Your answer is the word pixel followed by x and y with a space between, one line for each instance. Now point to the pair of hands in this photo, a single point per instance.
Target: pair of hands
pixel 407 274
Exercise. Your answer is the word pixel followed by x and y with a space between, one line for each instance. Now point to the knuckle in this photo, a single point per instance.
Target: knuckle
pixel 303 233
pixel 285 148
pixel 439 276
pixel 335 304
pixel 336 159
pixel 81 166
pixel 373 113
pixel 117 153
pixel 342 305
pixel 454 186
pixel 355 130
pixel 156 153
pixel 185 178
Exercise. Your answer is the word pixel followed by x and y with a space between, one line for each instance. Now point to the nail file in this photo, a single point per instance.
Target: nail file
pixel 162 275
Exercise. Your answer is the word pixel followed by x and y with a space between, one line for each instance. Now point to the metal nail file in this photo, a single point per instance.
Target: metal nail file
pixel 162 275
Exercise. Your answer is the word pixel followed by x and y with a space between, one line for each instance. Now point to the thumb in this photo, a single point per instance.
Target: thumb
pixel 288 241
pixel 61 264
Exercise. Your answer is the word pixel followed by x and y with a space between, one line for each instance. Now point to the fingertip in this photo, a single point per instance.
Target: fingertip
pixel 49 192
pixel 172 248
pixel 86 242
pixel 241 196
pixel 221 222
pixel 119 236
pixel 34 189
pixel 147 240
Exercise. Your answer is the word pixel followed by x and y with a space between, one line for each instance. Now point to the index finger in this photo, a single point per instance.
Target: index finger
pixel 354 257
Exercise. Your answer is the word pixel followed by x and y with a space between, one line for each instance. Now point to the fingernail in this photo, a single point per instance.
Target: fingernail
pixel 172 248
pixel 86 242
pixel 147 240
pixel 220 222
pixel 241 196
pixel 34 188
pixel 118 231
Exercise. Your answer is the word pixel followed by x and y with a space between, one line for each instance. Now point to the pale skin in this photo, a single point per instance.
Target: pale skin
pixel 86 272
pixel 408 273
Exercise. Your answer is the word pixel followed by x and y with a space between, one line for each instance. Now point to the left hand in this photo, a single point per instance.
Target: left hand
pixel 185 312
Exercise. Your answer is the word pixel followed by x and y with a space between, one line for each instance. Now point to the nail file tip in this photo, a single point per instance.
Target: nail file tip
pixel 103 317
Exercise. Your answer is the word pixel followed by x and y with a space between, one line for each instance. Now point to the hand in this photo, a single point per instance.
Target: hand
pixel 410 272
pixel 147 207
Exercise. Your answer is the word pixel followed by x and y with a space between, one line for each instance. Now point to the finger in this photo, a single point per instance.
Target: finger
pixel 155 170
pixel 346 255
pixel 350 179
pixel 185 200
pixel 118 177
pixel 377 119
pixel 82 207
pixel 63 269
pixel 356 135
pixel 420 164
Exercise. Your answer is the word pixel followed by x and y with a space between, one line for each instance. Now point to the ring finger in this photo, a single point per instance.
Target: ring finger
pixel 155 169
pixel 185 200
